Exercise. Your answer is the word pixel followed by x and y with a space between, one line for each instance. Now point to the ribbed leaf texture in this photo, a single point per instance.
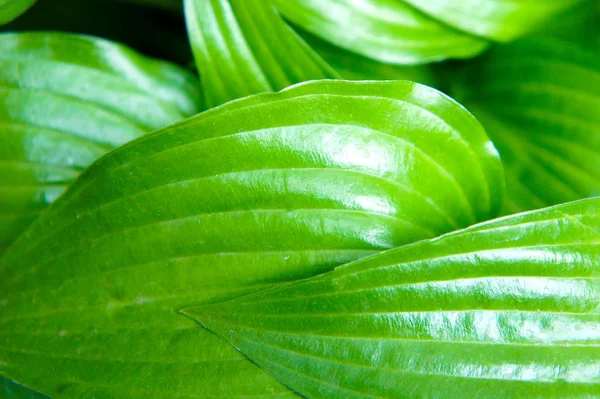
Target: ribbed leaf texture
pixel 64 101
pixel 504 309
pixel 500 20
pixel 266 189
pixel 390 31
pixel 538 99
pixel 244 47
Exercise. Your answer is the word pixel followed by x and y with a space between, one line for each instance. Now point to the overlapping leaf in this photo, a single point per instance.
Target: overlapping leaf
pixel 11 9
pixel 269 188
pixel 500 20
pixel 505 309
pixel 64 101
pixel 386 30
pixel 539 99
pixel 244 47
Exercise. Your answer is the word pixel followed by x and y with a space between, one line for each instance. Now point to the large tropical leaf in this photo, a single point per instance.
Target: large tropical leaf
pixel 270 188
pixel 504 309
pixel 244 47
pixel 11 9
pixel 500 20
pixel 386 30
pixel 538 99
pixel 64 101
pixel 12 390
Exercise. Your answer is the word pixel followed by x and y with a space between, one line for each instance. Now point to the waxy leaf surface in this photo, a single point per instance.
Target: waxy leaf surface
pixel 391 31
pixel 500 20
pixel 244 47
pixel 269 188
pixel 539 99
pixel 64 101
pixel 504 309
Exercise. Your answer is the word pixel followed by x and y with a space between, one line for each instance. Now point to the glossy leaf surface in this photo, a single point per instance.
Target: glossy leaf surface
pixel 11 9
pixel 539 99
pixel 270 188
pixel 501 20
pixel 505 309
pixel 389 31
pixel 244 47
pixel 64 101
pixel 353 66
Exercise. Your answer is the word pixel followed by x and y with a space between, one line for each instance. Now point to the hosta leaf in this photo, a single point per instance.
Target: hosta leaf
pixel 505 309
pixel 244 47
pixel 390 31
pixel 501 20
pixel 269 188
pixel 11 9
pixel 356 67
pixel 539 99
pixel 64 101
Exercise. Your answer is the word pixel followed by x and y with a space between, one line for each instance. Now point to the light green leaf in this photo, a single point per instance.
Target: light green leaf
pixel 11 9
pixel 538 99
pixel 244 47
pixel 500 20
pixel 64 101
pixel 356 67
pixel 389 31
pixel 269 188
pixel 504 309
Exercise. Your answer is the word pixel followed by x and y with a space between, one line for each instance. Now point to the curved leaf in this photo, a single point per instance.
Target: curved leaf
pixel 64 101
pixel 539 99
pixel 244 47
pixel 505 309
pixel 270 188
pixel 353 66
pixel 389 31
pixel 11 9
pixel 501 20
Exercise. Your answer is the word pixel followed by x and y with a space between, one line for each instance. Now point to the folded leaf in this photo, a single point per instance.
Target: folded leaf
pixel 244 47
pixel 501 20
pixel 504 309
pixel 390 31
pixel 11 9
pixel 270 188
pixel 538 99
pixel 64 101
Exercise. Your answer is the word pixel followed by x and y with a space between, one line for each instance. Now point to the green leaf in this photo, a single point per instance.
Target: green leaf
pixel 500 20
pixel 538 99
pixel 244 47
pixel 356 67
pixel 269 188
pixel 390 31
pixel 11 9
pixel 64 101
pixel 504 309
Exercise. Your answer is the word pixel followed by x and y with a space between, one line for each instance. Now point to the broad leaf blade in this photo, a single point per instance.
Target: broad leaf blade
pixel 269 188
pixel 500 20
pixel 504 309
pixel 12 390
pixel 390 31
pixel 244 47
pixel 538 100
pixel 64 101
